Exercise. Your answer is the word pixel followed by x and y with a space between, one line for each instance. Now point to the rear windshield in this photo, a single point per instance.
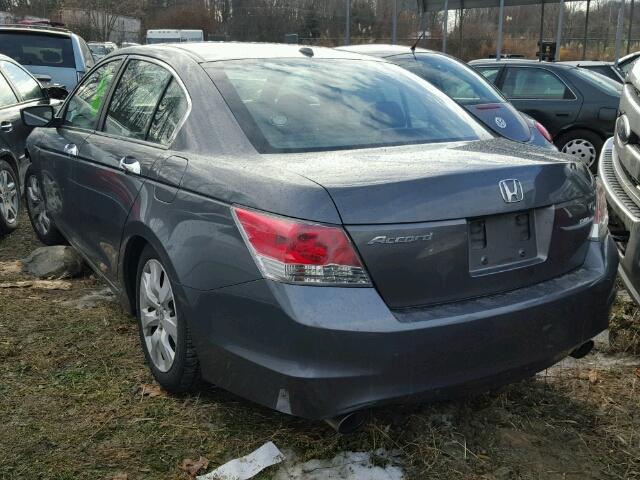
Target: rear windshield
pixel 37 49
pixel 455 79
pixel 98 49
pixel 292 105
pixel 609 86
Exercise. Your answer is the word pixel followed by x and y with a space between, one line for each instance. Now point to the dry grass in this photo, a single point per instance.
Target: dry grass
pixel 71 407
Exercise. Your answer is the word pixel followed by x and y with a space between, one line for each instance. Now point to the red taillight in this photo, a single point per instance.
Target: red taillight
pixel 295 251
pixel 543 131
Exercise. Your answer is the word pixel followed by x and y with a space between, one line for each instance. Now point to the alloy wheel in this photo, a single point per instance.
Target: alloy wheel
pixel 158 315
pixel 9 200
pixel 582 149
pixel 39 216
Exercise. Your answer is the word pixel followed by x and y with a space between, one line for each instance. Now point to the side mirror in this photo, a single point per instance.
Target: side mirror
pixel 57 92
pixel 37 116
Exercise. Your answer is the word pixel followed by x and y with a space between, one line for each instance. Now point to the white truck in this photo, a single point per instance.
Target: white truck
pixel 174 36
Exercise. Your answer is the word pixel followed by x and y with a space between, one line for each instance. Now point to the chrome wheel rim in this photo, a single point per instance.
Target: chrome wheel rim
pixel 582 149
pixel 37 210
pixel 8 197
pixel 158 315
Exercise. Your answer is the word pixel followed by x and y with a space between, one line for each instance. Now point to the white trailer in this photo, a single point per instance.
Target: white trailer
pixel 174 36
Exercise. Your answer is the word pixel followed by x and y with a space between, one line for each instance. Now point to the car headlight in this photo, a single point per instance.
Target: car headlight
pixel 600 215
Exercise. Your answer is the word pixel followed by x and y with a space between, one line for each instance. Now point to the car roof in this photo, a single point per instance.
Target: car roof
pixel 381 49
pixel 587 63
pixel 204 52
pixel 628 57
pixel 519 61
pixel 37 29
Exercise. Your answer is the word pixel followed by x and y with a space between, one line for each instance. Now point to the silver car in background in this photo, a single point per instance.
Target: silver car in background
pixel 55 56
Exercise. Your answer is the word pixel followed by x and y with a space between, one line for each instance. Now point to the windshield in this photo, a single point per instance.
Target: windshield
pixel 455 79
pixel 37 49
pixel 163 40
pixel 98 49
pixel 293 105
pixel 610 87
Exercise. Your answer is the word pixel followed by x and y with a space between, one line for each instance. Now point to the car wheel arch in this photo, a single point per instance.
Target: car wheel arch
pixel 10 159
pixel 573 127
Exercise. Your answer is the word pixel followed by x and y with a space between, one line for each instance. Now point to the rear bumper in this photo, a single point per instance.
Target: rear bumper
pixel 623 203
pixel 317 352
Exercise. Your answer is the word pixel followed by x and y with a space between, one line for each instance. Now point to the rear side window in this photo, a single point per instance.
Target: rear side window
pixel 490 73
pixel 135 99
pixel 534 83
pixel 28 88
pixel 37 49
pixel 6 94
pixel 86 54
pixel 171 110
pixel 84 107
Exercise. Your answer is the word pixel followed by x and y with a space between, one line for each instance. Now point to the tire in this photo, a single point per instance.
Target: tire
pixel 10 201
pixel 41 222
pixel 585 145
pixel 159 323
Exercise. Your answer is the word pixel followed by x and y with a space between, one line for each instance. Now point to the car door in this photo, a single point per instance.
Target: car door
pixel 542 94
pixel 65 145
pixel 26 91
pixel 120 160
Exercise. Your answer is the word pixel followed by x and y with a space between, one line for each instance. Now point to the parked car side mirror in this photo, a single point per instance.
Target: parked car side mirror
pixel 57 92
pixel 37 116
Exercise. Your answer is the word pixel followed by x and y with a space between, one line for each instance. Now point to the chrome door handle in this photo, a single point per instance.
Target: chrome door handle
pixel 130 164
pixel 6 126
pixel 71 149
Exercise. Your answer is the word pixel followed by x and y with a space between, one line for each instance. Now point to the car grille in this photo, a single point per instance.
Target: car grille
pixel 609 172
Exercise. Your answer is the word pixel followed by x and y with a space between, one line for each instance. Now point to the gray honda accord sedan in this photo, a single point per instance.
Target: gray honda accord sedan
pixel 316 230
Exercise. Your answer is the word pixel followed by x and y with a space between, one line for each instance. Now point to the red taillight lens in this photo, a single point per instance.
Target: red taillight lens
pixel 543 131
pixel 295 251
pixel 600 214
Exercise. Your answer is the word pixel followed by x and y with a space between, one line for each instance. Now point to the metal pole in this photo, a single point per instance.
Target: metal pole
pixel 541 31
pixel 630 25
pixel 460 27
pixel 394 28
pixel 347 29
pixel 559 33
pixel 619 31
pixel 586 31
pixel 500 26
pixel 445 26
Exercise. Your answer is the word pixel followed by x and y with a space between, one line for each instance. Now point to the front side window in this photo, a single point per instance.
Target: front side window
pixel 7 97
pixel 534 83
pixel 450 76
pixel 292 105
pixel 135 99
pixel 84 107
pixel 171 110
pixel 43 50
pixel 27 87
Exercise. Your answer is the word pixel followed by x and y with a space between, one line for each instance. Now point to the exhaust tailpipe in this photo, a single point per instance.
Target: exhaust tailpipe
pixel 582 350
pixel 347 423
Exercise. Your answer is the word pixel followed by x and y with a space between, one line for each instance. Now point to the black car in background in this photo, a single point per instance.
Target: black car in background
pixel 466 87
pixel 18 89
pixel 608 69
pixel 577 106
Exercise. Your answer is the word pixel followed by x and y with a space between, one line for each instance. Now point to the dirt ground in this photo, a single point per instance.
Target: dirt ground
pixel 76 401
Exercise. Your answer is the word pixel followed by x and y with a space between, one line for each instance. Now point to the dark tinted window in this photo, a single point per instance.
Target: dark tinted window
pixel 37 49
pixel 84 107
pixel 6 94
pixel 534 83
pixel 171 111
pixel 306 105
pixel 135 99
pixel 454 78
pixel 28 88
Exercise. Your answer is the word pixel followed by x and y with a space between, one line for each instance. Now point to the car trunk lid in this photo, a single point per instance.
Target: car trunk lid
pixel 433 224
pixel 503 119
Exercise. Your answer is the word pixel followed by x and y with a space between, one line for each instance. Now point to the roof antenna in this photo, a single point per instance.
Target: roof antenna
pixel 413 47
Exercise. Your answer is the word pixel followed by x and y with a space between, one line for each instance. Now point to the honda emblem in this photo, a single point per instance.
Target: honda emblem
pixel 511 190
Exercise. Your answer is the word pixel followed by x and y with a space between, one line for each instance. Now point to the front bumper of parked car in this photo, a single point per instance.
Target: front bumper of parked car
pixel 318 352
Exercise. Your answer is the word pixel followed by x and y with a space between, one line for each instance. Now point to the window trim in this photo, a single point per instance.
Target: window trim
pixel 511 99
pixel 174 76
pixel 65 107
